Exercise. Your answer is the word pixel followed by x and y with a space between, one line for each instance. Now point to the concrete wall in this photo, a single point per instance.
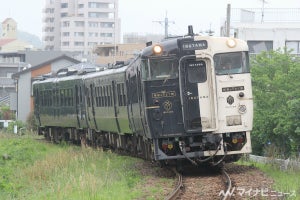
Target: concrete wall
pixel 24 87
pixel 279 33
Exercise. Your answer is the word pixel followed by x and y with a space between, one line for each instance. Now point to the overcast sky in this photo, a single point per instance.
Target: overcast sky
pixel 140 15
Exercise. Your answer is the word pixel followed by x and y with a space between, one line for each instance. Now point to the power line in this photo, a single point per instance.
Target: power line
pixel 166 24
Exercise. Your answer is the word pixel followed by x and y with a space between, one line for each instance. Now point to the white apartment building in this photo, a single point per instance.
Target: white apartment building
pixel 80 25
pixel 266 29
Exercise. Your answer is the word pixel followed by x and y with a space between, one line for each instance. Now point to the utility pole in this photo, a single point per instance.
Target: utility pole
pixel 263 10
pixel 166 24
pixel 228 20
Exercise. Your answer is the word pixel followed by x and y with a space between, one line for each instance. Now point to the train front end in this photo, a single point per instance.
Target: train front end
pixel 195 108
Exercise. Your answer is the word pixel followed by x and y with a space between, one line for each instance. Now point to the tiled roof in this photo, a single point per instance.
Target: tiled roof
pixel 7 19
pixel 5 41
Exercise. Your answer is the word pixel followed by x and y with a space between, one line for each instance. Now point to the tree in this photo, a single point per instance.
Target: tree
pixel 276 91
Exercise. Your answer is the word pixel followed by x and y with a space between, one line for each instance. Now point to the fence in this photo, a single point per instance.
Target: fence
pixel 281 163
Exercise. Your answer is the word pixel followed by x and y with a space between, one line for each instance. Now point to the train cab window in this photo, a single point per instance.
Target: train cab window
pixel 157 69
pixel 196 71
pixel 231 63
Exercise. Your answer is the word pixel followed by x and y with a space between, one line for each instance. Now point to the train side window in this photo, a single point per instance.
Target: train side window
pixel 80 94
pixel 119 94
pixel 109 96
pixel 124 94
pixel 50 97
pixel 71 97
pixel 101 97
pixel 88 97
pixel 97 92
pixel 104 96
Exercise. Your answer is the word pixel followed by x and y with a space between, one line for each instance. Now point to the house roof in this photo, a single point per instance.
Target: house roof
pixel 38 57
pixel 47 62
pixel 5 41
pixel 7 19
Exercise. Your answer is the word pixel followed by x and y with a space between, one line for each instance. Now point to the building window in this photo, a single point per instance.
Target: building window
pixel 106 34
pixel 65 44
pixel 93 34
pixel 79 23
pixel 107 24
pixel 293 46
pixel 66 24
pixel 78 34
pixel 91 44
pixel 66 34
pixel 64 14
pixel 64 5
pixel 80 5
pixel 255 47
pixel 78 43
pixel 98 15
pixel 98 5
pixel 93 24
pixel 111 15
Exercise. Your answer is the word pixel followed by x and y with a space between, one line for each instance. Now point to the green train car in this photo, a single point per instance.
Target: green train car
pixel 186 98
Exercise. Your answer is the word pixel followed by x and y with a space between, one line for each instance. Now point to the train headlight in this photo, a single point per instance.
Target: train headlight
pixel 157 49
pixel 242 109
pixel 233 120
pixel 231 42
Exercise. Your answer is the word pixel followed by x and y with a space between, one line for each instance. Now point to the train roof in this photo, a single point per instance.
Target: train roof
pixel 108 71
pixel 169 45
pixel 82 71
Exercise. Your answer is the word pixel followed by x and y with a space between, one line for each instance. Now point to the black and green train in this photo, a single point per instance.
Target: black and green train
pixel 171 102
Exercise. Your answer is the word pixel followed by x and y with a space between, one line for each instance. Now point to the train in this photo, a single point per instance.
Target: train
pixel 185 98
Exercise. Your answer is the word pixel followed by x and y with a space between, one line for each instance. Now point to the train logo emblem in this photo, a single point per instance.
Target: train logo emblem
pixel 167 106
pixel 230 100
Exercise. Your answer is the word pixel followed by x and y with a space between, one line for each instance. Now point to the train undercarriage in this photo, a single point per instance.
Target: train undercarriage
pixel 168 151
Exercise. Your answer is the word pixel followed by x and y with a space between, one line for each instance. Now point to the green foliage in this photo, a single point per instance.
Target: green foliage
pixel 16 153
pixel 31 123
pixel 20 125
pixel 6 113
pixel 38 170
pixel 284 181
pixel 276 91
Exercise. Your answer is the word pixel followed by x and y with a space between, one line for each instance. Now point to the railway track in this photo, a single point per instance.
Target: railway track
pixel 228 184
pixel 187 186
pixel 175 193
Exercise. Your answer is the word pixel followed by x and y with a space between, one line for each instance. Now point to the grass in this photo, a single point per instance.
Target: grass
pixel 285 182
pixel 36 170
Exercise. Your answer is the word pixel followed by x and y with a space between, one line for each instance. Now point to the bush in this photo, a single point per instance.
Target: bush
pixel 31 123
pixel 20 125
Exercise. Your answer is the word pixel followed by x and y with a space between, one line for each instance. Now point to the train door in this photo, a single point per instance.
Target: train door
pixel 115 104
pixel 79 106
pixel 36 100
pixel 197 96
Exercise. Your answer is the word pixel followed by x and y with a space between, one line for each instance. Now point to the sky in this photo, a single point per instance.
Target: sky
pixel 141 16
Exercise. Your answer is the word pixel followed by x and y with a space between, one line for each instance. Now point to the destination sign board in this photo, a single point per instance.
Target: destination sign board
pixel 230 89
pixel 194 45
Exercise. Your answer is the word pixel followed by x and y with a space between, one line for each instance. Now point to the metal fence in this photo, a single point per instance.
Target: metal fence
pixel 259 15
pixel 284 165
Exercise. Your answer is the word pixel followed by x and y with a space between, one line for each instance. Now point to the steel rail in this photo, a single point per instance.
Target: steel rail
pixel 228 184
pixel 174 194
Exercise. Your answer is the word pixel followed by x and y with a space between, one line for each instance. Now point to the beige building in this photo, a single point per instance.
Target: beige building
pixel 80 25
pixel 268 29
pixel 106 53
pixel 8 39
